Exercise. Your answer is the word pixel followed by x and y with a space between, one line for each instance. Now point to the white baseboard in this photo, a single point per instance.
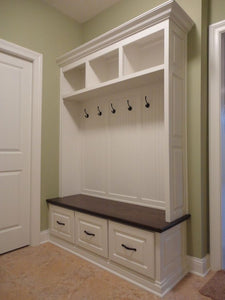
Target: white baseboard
pixel 44 236
pixel 199 266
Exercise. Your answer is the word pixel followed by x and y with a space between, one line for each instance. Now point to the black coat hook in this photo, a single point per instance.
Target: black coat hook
pixel 113 111
pixel 99 112
pixel 129 107
pixel 147 104
pixel 86 114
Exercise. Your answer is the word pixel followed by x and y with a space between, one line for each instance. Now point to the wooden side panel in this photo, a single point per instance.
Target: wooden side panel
pixel 176 202
pixel 171 254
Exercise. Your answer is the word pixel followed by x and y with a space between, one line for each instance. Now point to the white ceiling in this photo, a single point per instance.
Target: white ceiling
pixel 81 10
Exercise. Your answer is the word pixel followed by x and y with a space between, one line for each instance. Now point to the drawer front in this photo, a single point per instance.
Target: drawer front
pixel 62 222
pixel 132 248
pixel 91 233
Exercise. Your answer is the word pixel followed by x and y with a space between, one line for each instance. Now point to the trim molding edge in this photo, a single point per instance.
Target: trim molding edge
pixel 199 266
pixel 44 236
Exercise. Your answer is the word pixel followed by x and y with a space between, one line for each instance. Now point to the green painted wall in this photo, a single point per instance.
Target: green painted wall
pixel 216 11
pixel 37 26
pixel 197 103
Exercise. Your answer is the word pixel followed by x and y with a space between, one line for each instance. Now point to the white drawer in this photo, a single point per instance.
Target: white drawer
pixel 91 233
pixel 61 222
pixel 132 248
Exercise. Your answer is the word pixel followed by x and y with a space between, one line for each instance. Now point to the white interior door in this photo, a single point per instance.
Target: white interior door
pixel 15 149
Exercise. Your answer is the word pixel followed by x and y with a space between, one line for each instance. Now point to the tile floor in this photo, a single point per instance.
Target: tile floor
pixel 49 272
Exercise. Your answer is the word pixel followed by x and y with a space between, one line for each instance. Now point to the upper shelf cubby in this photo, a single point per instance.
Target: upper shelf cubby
pixel 121 66
pixel 144 53
pixel 121 57
pixel 73 79
pixel 103 68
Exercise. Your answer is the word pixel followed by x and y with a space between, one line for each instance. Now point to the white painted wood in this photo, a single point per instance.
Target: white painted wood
pixel 165 253
pixel 175 123
pixel 171 253
pixel 199 266
pixel 93 143
pixel 142 258
pixel 122 84
pixel 152 146
pixel 137 156
pixel 36 60
pixel 216 147
pixel 70 168
pixel 144 53
pixel 91 233
pixel 74 79
pixel 61 222
pixel 123 147
pixel 103 68
pixel 15 124
pixel 111 144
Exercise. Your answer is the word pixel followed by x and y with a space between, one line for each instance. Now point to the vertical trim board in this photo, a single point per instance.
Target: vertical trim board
pixel 216 33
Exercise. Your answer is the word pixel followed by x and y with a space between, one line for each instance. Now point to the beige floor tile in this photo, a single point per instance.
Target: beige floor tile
pixel 48 272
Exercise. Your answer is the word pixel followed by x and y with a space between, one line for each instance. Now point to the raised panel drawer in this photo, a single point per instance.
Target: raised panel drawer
pixel 132 248
pixel 62 222
pixel 91 233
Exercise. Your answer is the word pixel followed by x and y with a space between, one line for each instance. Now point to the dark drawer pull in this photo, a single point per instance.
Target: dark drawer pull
pixel 88 233
pixel 60 223
pixel 128 248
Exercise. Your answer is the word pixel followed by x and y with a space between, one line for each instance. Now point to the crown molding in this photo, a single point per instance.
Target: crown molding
pixel 168 10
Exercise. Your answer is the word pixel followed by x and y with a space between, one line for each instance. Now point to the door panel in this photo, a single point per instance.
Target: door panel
pixel 10 106
pixel 15 143
pixel 10 188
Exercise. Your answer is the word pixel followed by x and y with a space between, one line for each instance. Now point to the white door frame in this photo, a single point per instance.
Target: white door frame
pixel 36 60
pixel 216 136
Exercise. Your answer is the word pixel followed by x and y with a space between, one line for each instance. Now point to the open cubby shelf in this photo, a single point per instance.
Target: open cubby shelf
pixel 144 53
pixel 74 79
pixel 103 68
pixel 126 82
pixel 129 64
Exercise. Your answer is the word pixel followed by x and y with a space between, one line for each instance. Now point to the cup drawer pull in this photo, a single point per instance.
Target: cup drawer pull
pixel 128 248
pixel 88 233
pixel 60 223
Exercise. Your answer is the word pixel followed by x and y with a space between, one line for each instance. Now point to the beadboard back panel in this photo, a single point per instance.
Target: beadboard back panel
pixel 117 155
pixel 70 149
pixel 94 148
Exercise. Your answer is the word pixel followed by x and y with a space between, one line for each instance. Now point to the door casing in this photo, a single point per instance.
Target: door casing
pixel 217 144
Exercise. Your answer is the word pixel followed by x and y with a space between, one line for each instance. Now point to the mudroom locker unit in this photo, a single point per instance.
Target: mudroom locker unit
pixel 123 150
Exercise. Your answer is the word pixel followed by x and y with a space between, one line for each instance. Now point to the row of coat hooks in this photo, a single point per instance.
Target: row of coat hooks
pixel 113 110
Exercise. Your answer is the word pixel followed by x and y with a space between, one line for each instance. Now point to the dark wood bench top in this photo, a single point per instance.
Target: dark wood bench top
pixel 135 215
